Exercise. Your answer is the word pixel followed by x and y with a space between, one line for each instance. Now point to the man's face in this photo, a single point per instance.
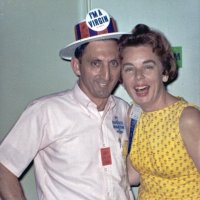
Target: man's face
pixel 98 69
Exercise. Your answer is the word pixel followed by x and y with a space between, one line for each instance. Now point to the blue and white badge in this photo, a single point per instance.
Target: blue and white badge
pixel 118 125
pixel 134 117
pixel 97 19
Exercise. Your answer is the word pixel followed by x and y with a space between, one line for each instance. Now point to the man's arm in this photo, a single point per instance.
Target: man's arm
pixel 10 187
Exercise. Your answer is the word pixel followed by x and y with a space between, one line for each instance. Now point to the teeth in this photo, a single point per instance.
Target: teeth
pixel 141 88
pixel 102 84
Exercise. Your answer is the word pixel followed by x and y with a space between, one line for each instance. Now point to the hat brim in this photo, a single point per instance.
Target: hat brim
pixel 68 52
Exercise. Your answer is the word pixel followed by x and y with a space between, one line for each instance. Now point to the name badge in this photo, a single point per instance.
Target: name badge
pixel 106 156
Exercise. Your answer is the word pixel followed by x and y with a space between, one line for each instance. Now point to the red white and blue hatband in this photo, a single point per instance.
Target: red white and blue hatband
pixel 98 25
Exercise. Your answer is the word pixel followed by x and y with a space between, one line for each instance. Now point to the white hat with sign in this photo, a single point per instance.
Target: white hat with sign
pixel 98 25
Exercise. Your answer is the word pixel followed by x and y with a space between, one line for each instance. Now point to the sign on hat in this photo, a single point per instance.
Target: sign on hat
pixel 98 25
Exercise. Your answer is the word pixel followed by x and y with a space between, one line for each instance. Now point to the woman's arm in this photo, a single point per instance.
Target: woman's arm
pixel 190 131
pixel 133 175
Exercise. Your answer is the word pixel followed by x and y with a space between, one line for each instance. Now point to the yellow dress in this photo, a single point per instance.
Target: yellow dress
pixel 159 154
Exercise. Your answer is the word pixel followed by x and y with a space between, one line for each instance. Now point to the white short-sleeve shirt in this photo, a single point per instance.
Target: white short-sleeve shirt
pixel 64 134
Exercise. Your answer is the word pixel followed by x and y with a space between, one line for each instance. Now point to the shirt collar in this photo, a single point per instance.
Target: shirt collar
pixel 84 100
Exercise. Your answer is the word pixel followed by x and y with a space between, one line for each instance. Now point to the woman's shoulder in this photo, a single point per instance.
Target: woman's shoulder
pixel 190 115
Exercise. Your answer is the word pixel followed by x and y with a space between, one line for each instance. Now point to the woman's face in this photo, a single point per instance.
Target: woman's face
pixel 142 74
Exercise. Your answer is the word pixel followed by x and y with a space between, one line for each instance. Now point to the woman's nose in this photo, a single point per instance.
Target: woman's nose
pixel 139 73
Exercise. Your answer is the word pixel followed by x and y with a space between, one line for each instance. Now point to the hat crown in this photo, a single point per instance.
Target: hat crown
pixel 98 25
pixel 97 22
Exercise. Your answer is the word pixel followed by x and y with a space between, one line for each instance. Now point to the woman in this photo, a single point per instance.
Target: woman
pixel 165 152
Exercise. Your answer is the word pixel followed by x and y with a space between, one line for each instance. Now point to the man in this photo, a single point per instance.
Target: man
pixel 77 138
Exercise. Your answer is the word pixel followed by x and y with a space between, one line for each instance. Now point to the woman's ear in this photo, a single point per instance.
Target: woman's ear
pixel 75 64
pixel 165 78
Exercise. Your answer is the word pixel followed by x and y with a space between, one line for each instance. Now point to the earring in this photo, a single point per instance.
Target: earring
pixel 165 78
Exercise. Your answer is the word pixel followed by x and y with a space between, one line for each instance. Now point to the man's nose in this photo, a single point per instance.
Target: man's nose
pixel 105 72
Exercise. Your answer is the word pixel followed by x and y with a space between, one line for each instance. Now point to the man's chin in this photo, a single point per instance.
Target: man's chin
pixel 103 95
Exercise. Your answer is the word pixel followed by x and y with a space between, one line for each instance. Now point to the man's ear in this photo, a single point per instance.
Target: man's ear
pixel 75 64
